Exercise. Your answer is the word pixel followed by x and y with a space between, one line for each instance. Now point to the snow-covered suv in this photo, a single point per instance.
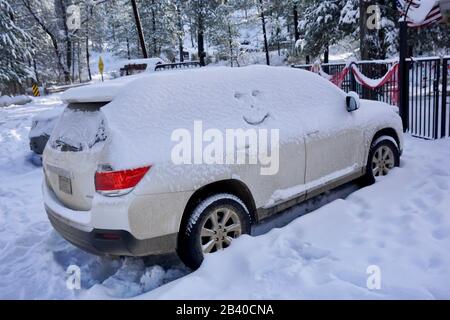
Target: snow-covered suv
pixel 114 183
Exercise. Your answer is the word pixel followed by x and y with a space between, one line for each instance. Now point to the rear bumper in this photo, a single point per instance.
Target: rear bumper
pixel 112 242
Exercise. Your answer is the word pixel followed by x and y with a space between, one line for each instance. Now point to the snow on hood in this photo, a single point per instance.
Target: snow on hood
pixel 143 117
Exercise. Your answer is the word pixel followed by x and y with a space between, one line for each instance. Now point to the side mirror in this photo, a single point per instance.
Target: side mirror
pixel 352 101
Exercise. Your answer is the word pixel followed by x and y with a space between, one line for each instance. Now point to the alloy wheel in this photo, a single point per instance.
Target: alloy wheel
pixel 383 161
pixel 219 229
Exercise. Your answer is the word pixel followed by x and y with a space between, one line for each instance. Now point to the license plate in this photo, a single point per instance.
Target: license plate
pixel 65 184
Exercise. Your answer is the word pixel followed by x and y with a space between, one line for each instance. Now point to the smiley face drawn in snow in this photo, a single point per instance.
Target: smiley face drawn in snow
pixel 250 104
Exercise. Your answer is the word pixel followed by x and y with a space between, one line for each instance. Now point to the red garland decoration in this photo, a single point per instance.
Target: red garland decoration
pixel 390 76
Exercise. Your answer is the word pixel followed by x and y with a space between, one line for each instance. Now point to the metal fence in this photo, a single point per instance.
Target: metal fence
pixel 429 101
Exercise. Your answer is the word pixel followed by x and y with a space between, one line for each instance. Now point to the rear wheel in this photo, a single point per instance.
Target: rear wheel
pixel 383 157
pixel 211 227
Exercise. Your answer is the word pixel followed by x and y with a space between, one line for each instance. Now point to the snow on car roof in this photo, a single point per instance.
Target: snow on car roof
pixel 106 91
pixel 144 115
pixel 98 92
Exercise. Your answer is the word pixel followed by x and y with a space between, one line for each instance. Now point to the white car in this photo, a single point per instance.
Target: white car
pixel 129 169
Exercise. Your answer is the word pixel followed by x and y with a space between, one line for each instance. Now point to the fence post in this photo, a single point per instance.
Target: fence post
pixel 352 79
pixel 436 99
pixel 444 98
pixel 403 75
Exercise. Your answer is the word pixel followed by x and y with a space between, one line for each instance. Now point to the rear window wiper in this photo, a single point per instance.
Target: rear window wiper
pixel 67 147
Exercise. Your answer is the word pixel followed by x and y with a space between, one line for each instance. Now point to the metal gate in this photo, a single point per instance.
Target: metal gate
pixel 428 97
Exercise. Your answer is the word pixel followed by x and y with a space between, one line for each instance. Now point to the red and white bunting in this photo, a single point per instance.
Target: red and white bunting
pixel 391 78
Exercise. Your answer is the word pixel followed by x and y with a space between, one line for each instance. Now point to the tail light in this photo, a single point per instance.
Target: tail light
pixel 118 183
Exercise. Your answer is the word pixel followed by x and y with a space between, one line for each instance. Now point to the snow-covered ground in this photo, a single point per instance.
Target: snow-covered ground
pixel 401 225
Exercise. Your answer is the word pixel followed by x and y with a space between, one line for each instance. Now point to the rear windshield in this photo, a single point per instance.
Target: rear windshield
pixel 80 127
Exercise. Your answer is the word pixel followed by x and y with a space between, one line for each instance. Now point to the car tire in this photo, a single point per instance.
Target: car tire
pixel 383 157
pixel 212 226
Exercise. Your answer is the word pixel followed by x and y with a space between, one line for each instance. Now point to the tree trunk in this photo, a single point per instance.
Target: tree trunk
pixel 139 28
pixel 79 60
pixel 230 44
pixel 154 40
pixel 68 40
pixel 88 57
pixel 263 21
pixel 296 33
pixel 36 74
pixel 326 58
pixel 73 64
pixel 363 45
pixel 180 31
pixel 369 47
pixel 201 39
pixel 191 28
pixel 128 49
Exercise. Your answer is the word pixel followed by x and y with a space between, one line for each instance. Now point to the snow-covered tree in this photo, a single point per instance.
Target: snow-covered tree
pixel 320 25
pixel 15 48
pixel 373 24
pixel 231 29
pixel 159 21
pixel 224 33
pixel 202 19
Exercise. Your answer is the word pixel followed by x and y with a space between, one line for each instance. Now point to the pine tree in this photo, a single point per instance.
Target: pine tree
pixel 121 32
pixel 224 33
pixel 159 21
pixel 15 48
pixel 320 25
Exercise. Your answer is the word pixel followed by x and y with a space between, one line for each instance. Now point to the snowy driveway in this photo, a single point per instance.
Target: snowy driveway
pixel 401 225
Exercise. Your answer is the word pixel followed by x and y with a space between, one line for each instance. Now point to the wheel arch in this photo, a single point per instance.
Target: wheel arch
pixel 388 132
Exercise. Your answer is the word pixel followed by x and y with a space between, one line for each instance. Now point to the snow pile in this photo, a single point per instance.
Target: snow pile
pixel 400 225
pixel 19 100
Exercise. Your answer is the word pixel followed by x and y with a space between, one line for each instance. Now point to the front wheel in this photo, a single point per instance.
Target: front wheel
pixel 211 227
pixel 383 157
